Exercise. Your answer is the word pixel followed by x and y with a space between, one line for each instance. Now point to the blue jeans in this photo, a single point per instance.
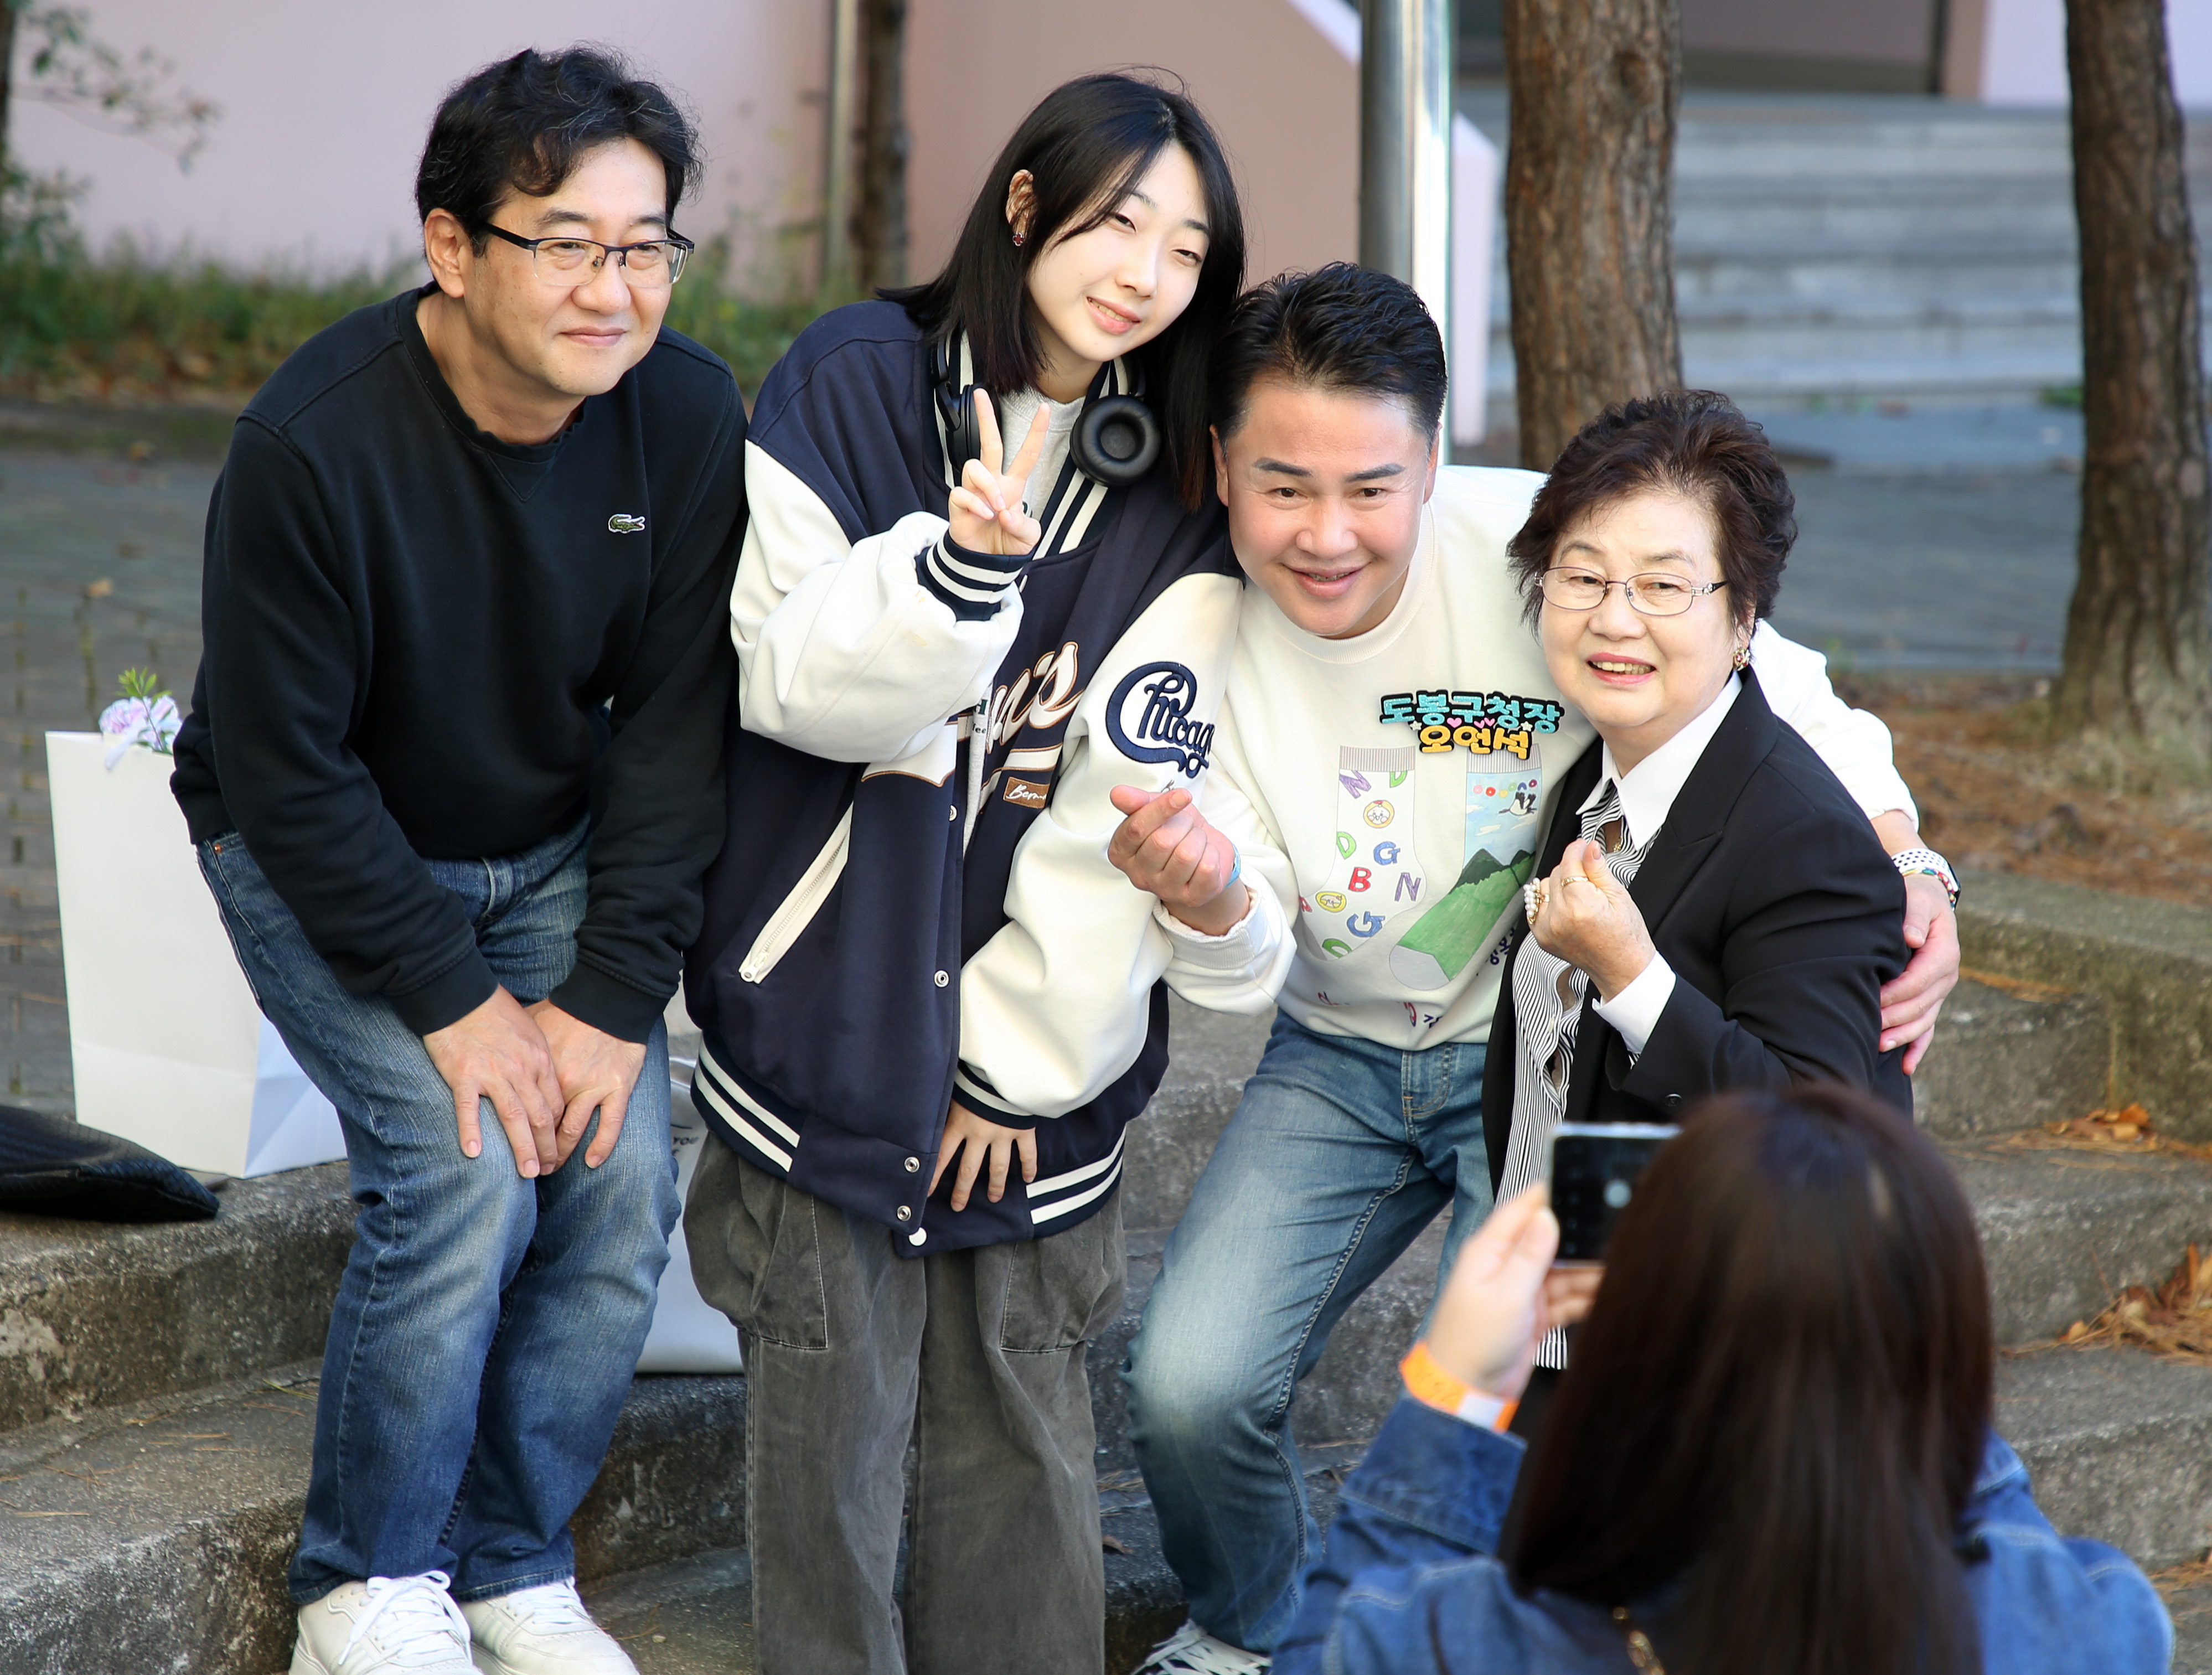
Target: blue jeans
pixel 1340 1152
pixel 487 1326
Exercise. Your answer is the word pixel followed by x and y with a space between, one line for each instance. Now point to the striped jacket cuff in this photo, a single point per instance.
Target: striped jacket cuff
pixel 973 584
pixel 972 1090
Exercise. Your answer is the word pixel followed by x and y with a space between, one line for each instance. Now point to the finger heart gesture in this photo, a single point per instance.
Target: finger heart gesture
pixel 1587 918
pixel 1167 847
pixel 986 515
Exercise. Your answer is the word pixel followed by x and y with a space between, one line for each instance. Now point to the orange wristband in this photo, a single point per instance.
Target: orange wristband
pixel 1428 1383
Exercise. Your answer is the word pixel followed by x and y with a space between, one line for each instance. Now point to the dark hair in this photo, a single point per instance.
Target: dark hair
pixel 1783 1394
pixel 1086 147
pixel 1694 443
pixel 522 125
pixel 1341 327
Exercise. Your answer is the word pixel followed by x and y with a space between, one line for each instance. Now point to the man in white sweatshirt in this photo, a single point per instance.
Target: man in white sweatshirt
pixel 1385 761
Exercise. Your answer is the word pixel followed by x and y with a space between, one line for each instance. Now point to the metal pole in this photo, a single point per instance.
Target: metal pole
pixel 1405 146
pixel 844 117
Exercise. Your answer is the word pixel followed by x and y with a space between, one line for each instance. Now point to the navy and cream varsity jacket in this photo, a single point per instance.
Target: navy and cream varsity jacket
pixel 912 903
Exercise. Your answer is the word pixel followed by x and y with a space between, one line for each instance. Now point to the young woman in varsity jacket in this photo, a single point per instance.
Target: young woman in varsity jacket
pixel 917 964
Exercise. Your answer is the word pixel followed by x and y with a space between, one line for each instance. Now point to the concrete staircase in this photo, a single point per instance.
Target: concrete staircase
pixel 1840 246
pixel 157 1385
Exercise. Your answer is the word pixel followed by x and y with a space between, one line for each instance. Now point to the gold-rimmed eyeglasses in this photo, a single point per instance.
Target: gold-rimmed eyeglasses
pixel 1654 594
pixel 651 265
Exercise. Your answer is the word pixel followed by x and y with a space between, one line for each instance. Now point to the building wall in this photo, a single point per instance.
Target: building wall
pixel 1285 101
pixel 2014 51
pixel 1881 31
pixel 325 108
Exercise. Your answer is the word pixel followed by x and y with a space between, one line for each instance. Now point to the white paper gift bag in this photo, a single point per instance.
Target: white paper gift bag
pixel 689 1334
pixel 169 1048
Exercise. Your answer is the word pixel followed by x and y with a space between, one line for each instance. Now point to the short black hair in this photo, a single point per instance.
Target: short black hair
pixel 1086 146
pixel 1341 327
pixel 524 123
pixel 1695 444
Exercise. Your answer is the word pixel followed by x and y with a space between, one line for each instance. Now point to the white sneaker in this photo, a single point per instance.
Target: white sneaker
pixel 1191 1651
pixel 543 1630
pixel 386 1623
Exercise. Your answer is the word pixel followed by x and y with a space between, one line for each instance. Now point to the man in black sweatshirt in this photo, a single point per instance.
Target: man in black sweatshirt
pixel 454 769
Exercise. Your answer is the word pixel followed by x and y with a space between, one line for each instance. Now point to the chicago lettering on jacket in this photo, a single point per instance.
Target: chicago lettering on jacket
pixel 1167 692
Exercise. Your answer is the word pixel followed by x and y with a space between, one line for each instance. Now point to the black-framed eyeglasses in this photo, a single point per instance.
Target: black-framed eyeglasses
pixel 1655 594
pixel 651 265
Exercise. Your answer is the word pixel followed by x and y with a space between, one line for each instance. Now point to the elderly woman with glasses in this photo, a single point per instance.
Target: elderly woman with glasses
pixel 1710 910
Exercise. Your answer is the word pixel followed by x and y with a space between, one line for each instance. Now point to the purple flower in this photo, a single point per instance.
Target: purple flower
pixel 152 722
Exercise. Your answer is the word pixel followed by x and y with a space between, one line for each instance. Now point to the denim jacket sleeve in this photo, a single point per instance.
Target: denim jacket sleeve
pixel 2047 1604
pixel 1410 1583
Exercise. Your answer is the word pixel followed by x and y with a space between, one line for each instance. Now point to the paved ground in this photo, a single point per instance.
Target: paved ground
pixel 99 573
pixel 1932 572
pixel 1955 563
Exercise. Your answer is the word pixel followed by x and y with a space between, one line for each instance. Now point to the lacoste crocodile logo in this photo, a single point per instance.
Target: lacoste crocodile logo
pixel 625 523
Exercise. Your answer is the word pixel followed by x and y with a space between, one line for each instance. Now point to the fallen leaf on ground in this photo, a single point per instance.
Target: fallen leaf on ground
pixel 2174 1319
pixel 2130 1129
pixel 1995 792
pixel 2195 1573
pixel 1113 1544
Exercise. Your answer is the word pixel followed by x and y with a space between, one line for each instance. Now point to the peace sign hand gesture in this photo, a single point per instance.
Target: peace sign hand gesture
pixel 986 514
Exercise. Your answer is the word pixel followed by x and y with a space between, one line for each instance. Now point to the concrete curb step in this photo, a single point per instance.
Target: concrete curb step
pixel 2062 1232
pixel 93 1315
pixel 2014 1057
pixel 2118 1444
pixel 153 1536
pixel 2151 961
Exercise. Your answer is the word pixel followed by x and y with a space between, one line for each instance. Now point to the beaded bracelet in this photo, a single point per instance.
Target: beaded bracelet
pixel 1927 862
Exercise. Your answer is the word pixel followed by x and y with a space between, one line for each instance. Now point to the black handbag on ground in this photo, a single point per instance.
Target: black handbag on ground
pixel 54 1166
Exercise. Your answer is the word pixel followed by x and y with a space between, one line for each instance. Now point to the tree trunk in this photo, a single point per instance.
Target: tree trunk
pixel 7 70
pixel 879 216
pixel 2139 662
pixel 1589 236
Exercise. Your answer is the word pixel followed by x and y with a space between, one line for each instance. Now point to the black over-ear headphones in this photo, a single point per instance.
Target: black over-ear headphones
pixel 1116 439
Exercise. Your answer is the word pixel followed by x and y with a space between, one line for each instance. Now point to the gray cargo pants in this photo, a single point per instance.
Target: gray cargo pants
pixel 978 1355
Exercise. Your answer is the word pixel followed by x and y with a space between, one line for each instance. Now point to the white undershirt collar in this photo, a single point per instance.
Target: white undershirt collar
pixel 1649 789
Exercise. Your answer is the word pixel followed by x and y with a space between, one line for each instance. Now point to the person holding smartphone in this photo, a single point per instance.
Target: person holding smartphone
pixel 929 1004
pixel 1774 1450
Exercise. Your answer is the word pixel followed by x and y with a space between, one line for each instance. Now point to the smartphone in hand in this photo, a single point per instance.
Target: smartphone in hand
pixel 1594 1168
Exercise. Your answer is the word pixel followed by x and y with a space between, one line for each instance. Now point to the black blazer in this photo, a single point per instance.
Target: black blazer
pixel 1770 895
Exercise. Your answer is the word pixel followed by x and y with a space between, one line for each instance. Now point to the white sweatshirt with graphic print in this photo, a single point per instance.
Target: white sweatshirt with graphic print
pixel 1392 788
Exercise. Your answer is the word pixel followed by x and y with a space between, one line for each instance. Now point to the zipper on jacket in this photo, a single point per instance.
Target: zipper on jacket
pixel 979 752
pixel 799 908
